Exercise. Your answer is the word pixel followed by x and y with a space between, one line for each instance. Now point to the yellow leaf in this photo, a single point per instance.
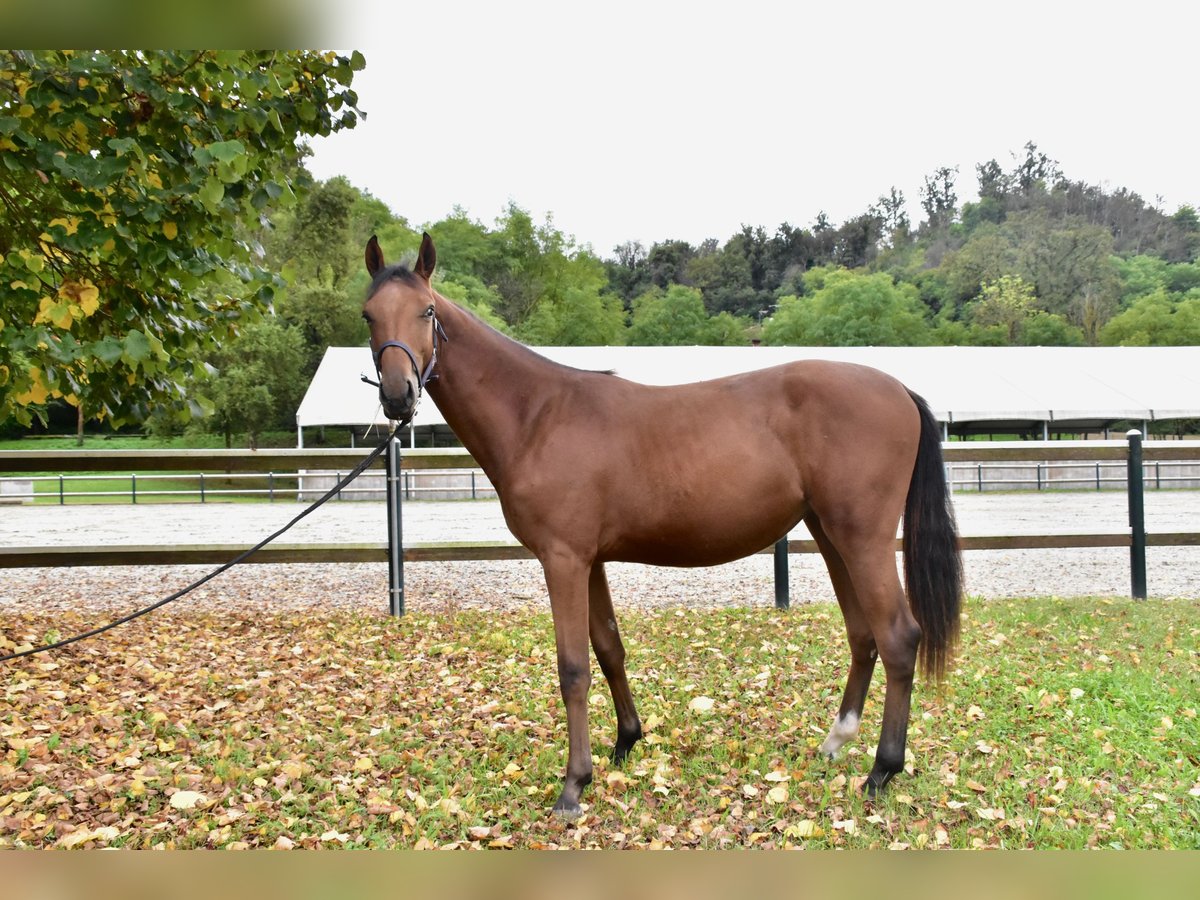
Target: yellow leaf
pixel 38 391
pixel 153 180
pixel 83 835
pixel 292 769
pixel 778 794
pixel 170 229
pixel 363 764
pixel 43 313
pixel 805 828
pixel 70 226
pixel 61 314
pixel 86 296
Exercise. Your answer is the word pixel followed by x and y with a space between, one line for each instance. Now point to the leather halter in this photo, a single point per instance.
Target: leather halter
pixel 423 377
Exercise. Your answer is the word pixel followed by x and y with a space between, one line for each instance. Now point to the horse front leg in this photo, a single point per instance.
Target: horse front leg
pixel 567 581
pixel 610 653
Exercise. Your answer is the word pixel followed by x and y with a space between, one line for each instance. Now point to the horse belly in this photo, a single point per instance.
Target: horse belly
pixel 705 533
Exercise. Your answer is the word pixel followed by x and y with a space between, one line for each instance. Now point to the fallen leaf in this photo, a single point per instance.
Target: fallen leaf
pixel 701 704
pixel 83 835
pixel 188 800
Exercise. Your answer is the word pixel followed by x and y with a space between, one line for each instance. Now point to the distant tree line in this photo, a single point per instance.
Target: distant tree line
pixel 1038 259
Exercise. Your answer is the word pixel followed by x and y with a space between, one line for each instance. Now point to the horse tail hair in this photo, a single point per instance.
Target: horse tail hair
pixel 933 574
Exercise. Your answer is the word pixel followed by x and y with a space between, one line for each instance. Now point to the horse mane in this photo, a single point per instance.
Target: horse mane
pixel 489 327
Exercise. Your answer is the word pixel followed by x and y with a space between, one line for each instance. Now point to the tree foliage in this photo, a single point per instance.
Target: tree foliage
pixel 129 182
pixel 259 380
pixel 851 309
pixel 149 195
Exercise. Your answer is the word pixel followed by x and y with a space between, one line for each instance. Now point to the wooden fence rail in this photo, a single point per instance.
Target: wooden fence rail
pixel 24 461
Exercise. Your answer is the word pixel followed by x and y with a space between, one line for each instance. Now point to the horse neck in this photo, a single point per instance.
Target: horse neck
pixel 488 387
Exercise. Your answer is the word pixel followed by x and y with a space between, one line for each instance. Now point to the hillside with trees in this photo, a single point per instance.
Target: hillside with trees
pixel 1038 259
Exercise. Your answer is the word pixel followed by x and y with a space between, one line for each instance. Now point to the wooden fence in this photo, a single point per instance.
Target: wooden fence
pixel 281 460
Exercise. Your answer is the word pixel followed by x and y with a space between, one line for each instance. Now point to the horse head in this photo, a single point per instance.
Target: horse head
pixel 401 312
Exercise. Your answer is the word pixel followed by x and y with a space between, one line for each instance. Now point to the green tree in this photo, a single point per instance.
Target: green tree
pixel 259 383
pixel 1155 320
pixel 578 317
pixel 129 181
pixel 674 317
pixel 938 197
pixel 851 309
pixel 325 315
pixel 1006 302
pixel 1007 313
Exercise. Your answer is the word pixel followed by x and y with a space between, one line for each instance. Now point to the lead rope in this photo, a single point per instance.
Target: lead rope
pixel 240 558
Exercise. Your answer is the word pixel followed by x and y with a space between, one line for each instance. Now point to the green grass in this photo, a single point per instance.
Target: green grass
pixel 1065 723
pixel 198 441
pixel 47 492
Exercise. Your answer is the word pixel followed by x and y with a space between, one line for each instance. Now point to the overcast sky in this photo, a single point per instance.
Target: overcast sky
pixel 657 120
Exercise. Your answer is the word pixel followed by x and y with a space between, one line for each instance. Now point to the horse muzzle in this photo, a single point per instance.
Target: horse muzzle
pixel 399 405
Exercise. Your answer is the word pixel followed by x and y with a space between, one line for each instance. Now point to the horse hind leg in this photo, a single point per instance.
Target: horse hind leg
pixel 871 565
pixel 862 645
pixel 610 653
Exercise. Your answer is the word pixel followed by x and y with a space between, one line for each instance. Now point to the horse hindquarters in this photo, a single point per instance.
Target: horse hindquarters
pixel 857 540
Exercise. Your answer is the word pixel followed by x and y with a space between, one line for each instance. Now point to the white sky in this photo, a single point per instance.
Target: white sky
pixel 658 120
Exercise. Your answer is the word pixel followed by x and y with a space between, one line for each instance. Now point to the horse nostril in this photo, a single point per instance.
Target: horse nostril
pixel 411 396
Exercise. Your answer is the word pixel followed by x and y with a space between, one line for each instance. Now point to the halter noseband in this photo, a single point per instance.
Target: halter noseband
pixel 423 378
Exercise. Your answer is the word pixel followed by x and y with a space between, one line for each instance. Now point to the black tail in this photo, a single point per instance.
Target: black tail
pixel 932 558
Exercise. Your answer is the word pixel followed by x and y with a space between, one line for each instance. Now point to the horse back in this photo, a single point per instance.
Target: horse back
pixel 708 472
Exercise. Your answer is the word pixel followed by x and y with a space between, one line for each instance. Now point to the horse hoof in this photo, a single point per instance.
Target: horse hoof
pixel 567 812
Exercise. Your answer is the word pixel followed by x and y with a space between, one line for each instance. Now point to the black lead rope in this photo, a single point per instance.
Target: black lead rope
pixel 241 557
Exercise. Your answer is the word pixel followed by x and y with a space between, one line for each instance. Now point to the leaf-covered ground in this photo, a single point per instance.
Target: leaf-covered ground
pixel 1064 724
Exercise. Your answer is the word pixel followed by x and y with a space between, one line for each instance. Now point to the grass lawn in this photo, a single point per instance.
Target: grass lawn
pixel 1065 723
pixel 158 487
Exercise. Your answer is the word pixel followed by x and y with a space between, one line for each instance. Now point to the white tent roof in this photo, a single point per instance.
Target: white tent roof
pixel 962 384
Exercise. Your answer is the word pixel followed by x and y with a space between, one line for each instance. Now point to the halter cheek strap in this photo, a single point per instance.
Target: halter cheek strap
pixel 423 378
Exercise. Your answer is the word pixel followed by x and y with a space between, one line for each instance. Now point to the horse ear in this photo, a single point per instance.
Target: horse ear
pixel 374 256
pixel 426 257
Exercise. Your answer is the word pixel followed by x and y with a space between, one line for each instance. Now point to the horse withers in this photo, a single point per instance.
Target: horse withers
pixel 591 468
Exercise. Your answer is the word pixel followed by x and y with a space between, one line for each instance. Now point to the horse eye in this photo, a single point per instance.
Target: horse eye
pixel 429 313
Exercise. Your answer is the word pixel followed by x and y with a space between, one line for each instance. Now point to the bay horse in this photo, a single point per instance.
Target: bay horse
pixel 592 468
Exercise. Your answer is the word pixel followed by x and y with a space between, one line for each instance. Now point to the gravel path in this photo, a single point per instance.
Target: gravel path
pixel 1172 572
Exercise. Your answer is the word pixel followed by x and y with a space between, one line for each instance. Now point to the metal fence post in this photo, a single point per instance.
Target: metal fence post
pixel 133 487
pixel 395 529
pixel 782 600
pixel 1137 516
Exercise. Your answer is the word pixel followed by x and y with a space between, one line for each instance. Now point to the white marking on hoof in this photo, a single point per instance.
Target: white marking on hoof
pixel 844 730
